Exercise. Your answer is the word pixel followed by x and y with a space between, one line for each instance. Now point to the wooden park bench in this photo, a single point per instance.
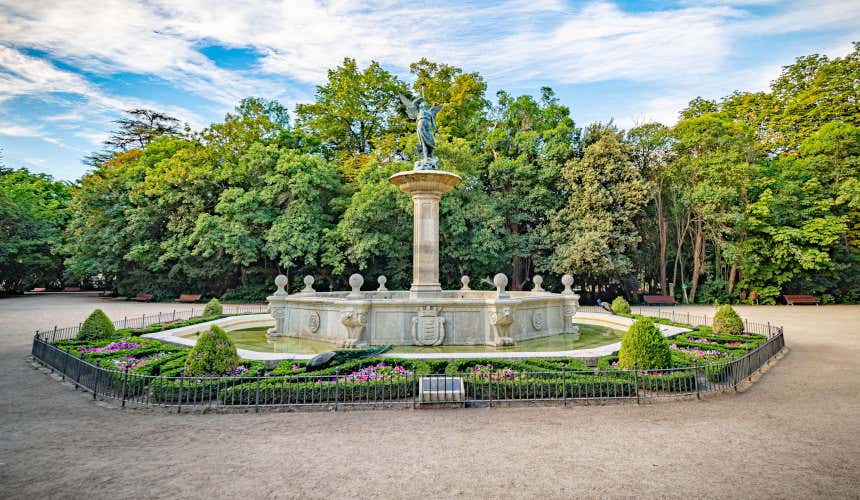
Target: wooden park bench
pixel 665 300
pixel 144 297
pixel 793 300
pixel 72 289
pixel 189 298
pixel 38 290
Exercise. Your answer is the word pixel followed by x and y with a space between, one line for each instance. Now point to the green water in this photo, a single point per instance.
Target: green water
pixel 590 336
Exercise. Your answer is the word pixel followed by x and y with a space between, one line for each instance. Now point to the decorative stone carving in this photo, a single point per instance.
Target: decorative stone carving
pixel 309 285
pixel 281 314
pixel 538 281
pixel 465 281
pixel 567 281
pixel 313 321
pixel 500 281
pixel 502 319
pixel 355 282
pixel 354 320
pixel 428 328
pixel 382 280
pixel 280 282
pixel 538 320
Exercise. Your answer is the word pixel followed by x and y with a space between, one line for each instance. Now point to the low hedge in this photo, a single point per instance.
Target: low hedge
pixel 462 366
pixel 285 368
pixel 671 381
pixel 165 389
pixel 308 390
pixel 571 386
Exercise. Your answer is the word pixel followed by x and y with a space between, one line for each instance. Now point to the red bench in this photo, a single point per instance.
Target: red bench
pixel 659 300
pixel 72 289
pixel 189 298
pixel 800 299
pixel 38 290
pixel 144 297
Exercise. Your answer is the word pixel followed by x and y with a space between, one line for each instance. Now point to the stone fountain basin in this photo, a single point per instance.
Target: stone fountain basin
pixel 185 336
pixel 462 317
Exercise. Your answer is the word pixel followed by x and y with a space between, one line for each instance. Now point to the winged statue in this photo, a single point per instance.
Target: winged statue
pixel 425 119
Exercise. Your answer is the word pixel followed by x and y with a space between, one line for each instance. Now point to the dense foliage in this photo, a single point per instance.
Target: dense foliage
pixel 758 192
pixel 620 306
pixel 644 346
pixel 727 321
pixel 97 326
pixel 214 354
pixel 213 308
pixel 32 216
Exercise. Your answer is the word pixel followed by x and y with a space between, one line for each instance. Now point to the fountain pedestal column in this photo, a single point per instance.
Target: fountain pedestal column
pixel 426 188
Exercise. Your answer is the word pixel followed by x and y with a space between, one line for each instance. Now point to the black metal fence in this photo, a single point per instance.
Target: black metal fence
pixel 164 318
pixel 337 390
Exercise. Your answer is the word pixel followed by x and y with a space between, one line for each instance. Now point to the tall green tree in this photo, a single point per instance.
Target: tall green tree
pixel 593 234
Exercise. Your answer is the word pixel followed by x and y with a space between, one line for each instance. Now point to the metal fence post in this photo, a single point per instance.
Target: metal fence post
pixel 414 389
pixel 179 401
pixel 696 379
pixel 80 361
pixel 336 387
pixel 636 382
pixel 65 364
pixel 257 397
pixel 564 383
pixel 124 386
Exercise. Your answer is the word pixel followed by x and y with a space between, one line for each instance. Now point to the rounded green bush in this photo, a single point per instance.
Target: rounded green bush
pixel 97 326
pixel 727 321
pixel 620 306
pixel 644 344
pixel 213 308
pixel 212 356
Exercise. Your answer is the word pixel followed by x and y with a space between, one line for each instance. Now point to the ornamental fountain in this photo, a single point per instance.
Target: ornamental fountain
pixel 425 314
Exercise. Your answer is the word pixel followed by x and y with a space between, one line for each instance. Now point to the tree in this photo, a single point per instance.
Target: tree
pixel 593 233
pixel 353 109
pixel 650 149
pixel 33 213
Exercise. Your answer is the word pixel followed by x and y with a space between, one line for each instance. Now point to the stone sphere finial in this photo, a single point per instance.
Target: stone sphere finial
pixel 538 281
pixel 382 280
pixel 280 282
pixel 309 284
pixel 355 282
pixel 567 281
pixel 501 281
pixel 465 281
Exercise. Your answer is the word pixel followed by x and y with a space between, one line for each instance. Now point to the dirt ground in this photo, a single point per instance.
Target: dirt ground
pixel 794 434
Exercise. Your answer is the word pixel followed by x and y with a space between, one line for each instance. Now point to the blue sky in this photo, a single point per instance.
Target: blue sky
pixel 69 67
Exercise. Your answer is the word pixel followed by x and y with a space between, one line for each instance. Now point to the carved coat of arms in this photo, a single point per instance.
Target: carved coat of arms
pixel 428 328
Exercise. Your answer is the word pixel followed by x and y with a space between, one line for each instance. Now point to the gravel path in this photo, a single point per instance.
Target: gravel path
pixel 796 433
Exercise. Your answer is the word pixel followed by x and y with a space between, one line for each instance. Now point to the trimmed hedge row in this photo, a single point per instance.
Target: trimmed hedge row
pixel 166 390
pixel 461 366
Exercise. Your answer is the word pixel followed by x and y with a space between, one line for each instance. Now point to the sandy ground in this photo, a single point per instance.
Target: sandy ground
pixel 794 434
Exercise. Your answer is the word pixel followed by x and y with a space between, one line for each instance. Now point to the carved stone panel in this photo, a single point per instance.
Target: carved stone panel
pixel 428 328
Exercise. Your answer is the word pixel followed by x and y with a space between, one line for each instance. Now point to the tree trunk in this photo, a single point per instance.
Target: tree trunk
pixel 697 260
pixel 662 230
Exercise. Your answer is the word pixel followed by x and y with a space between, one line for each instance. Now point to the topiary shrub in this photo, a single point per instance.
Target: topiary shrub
pixel 212 356
pixel 644 345
pixel 727 321
pixel 213 308
pixel 620 306
pixel 97 326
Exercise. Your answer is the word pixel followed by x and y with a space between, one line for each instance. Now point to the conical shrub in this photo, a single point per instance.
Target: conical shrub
pixel 727 321
pixel 213 355
pixel 96 327
pixel 644 344
pixel 213 308
pixel 620 306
